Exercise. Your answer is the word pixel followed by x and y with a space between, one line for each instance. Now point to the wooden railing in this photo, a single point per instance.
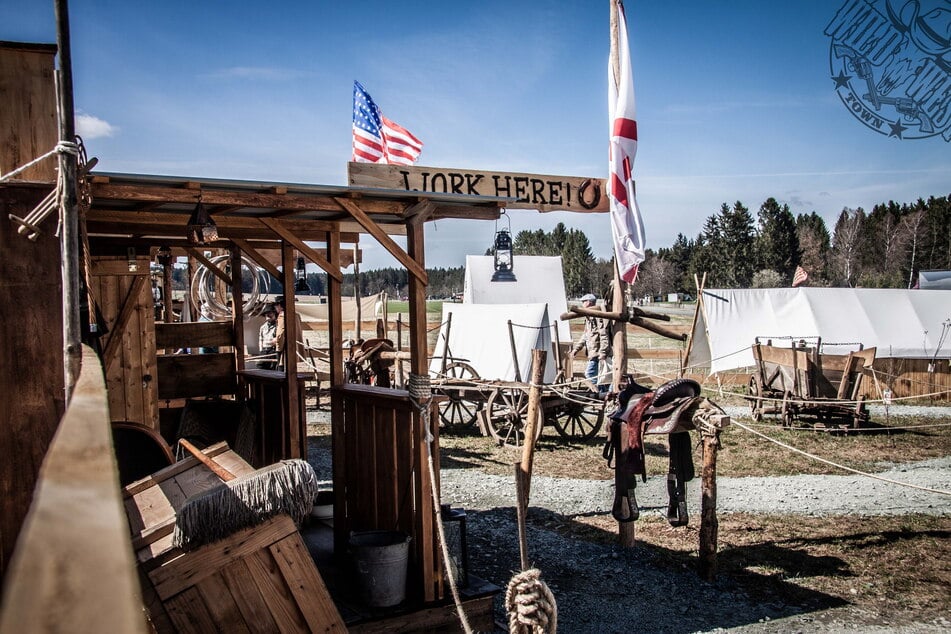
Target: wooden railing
pixel 73 569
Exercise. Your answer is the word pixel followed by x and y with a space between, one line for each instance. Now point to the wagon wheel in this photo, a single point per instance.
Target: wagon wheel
pixel 579 418
pixel 787 411
pixel 756 393
pixel 458 411
pixel 506 412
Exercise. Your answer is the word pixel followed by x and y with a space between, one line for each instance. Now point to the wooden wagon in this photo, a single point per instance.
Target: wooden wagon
pixel 801 381
pixel 501 407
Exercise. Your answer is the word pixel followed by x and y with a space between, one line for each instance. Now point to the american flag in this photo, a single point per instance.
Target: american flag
pixel 799 276
pixel 627 227
pixel 376 139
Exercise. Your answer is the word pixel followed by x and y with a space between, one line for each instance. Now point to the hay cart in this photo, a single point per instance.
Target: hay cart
pixel 800 381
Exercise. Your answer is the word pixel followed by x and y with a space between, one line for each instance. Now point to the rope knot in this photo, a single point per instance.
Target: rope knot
pixel 530 604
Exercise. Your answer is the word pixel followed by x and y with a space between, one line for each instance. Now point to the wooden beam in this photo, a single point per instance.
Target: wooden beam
pixel 255 255
pixel 420 212
pixel 241 199
pixel 113 222
pixel 278 227
pixel 125 314
pixel 198 255
pixel 411 265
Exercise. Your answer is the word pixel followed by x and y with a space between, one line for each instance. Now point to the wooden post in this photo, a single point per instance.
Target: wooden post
pixel 709 526
pixel 237 315
pixel 425 543
pixel 69 236
pixel 169 313
pixel 358 319
pixel 523 469
pixel 296 447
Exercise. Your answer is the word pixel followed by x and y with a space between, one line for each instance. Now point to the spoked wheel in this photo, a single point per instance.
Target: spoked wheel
pixel 506 411
pixel 756 393
pixel 458 411
pixel 579 418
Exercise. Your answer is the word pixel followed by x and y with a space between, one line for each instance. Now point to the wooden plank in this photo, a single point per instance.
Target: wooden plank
pixel 126 311
pixel 216 450
pixel 222 607
pixel 215 270
pixel 655 354
pixel 258 258
pixel 532 191
pixel 28 128
pixel 188 375
pixel 31 362
pixel 305 584
pixel 255 611
pixel 415 268
pixel 270 583
pixel 281 229
pixel 75 536
pixel 194 566
pixel 123 266
pixel 189 613
pixel 441 618
pixel 194 334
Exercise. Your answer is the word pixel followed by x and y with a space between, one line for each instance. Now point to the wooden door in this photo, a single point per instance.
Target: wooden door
pixel 122 288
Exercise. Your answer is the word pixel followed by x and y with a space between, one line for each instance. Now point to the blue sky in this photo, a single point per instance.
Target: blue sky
pixel 735 101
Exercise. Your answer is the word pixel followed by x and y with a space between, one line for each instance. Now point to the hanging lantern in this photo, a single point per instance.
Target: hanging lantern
pixel 201 228
pixel 300 286
pixel 504 258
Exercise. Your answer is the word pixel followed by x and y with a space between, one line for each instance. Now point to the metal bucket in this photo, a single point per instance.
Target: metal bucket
pixel 381 559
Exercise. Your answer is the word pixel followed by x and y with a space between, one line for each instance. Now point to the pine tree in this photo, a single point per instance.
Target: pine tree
pixel 737 249
pixel 777 243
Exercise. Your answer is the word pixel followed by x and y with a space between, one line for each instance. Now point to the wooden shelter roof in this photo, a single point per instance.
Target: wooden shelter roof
pixel 145 205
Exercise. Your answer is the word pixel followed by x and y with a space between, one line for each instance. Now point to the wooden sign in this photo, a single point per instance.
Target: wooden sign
pixel 533 191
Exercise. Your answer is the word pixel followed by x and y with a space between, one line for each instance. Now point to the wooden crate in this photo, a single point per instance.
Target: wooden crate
pixel 260 579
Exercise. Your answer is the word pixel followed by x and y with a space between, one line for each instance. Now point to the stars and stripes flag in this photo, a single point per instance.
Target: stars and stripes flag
pixel 799 276
pixel 376 139
pixel 627 227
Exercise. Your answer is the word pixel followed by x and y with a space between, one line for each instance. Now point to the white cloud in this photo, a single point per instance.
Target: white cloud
pixel 90 127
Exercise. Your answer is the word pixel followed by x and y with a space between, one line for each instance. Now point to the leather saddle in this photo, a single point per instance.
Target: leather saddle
pixel 667 410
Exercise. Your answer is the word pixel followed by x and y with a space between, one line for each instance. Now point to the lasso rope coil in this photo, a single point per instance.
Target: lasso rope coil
pixel 204 282
pixel 530 604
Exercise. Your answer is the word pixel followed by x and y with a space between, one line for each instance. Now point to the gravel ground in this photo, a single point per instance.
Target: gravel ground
pixel 602 588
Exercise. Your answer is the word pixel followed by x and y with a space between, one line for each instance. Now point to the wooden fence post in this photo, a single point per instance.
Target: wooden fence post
pixel 709 526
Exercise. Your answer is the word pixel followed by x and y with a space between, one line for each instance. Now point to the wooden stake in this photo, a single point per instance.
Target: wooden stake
pixel 523 469
pixel 709 526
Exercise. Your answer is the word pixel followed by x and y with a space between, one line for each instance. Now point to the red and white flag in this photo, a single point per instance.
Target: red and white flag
pixel 377 139
pixel 799 276
pixel 627 227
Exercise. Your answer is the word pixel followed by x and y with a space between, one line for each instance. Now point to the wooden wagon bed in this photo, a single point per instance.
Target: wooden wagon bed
pixel 801 381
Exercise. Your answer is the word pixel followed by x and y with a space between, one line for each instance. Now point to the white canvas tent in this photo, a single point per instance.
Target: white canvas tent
pixel 479 335
pixel 899 323
pixel 539 280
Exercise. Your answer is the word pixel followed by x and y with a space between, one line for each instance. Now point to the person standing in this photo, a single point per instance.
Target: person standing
pixel 279 335
pixel 597 340
pixel 267 337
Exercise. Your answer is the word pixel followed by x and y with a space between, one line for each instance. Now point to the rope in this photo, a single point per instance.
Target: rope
pixel 420 391
pixel 836 465
pixel 204 282
pixel 63 147
pixel 530 604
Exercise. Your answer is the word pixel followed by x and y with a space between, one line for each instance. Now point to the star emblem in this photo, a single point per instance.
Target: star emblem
pixel 841 80
pixel 896 129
